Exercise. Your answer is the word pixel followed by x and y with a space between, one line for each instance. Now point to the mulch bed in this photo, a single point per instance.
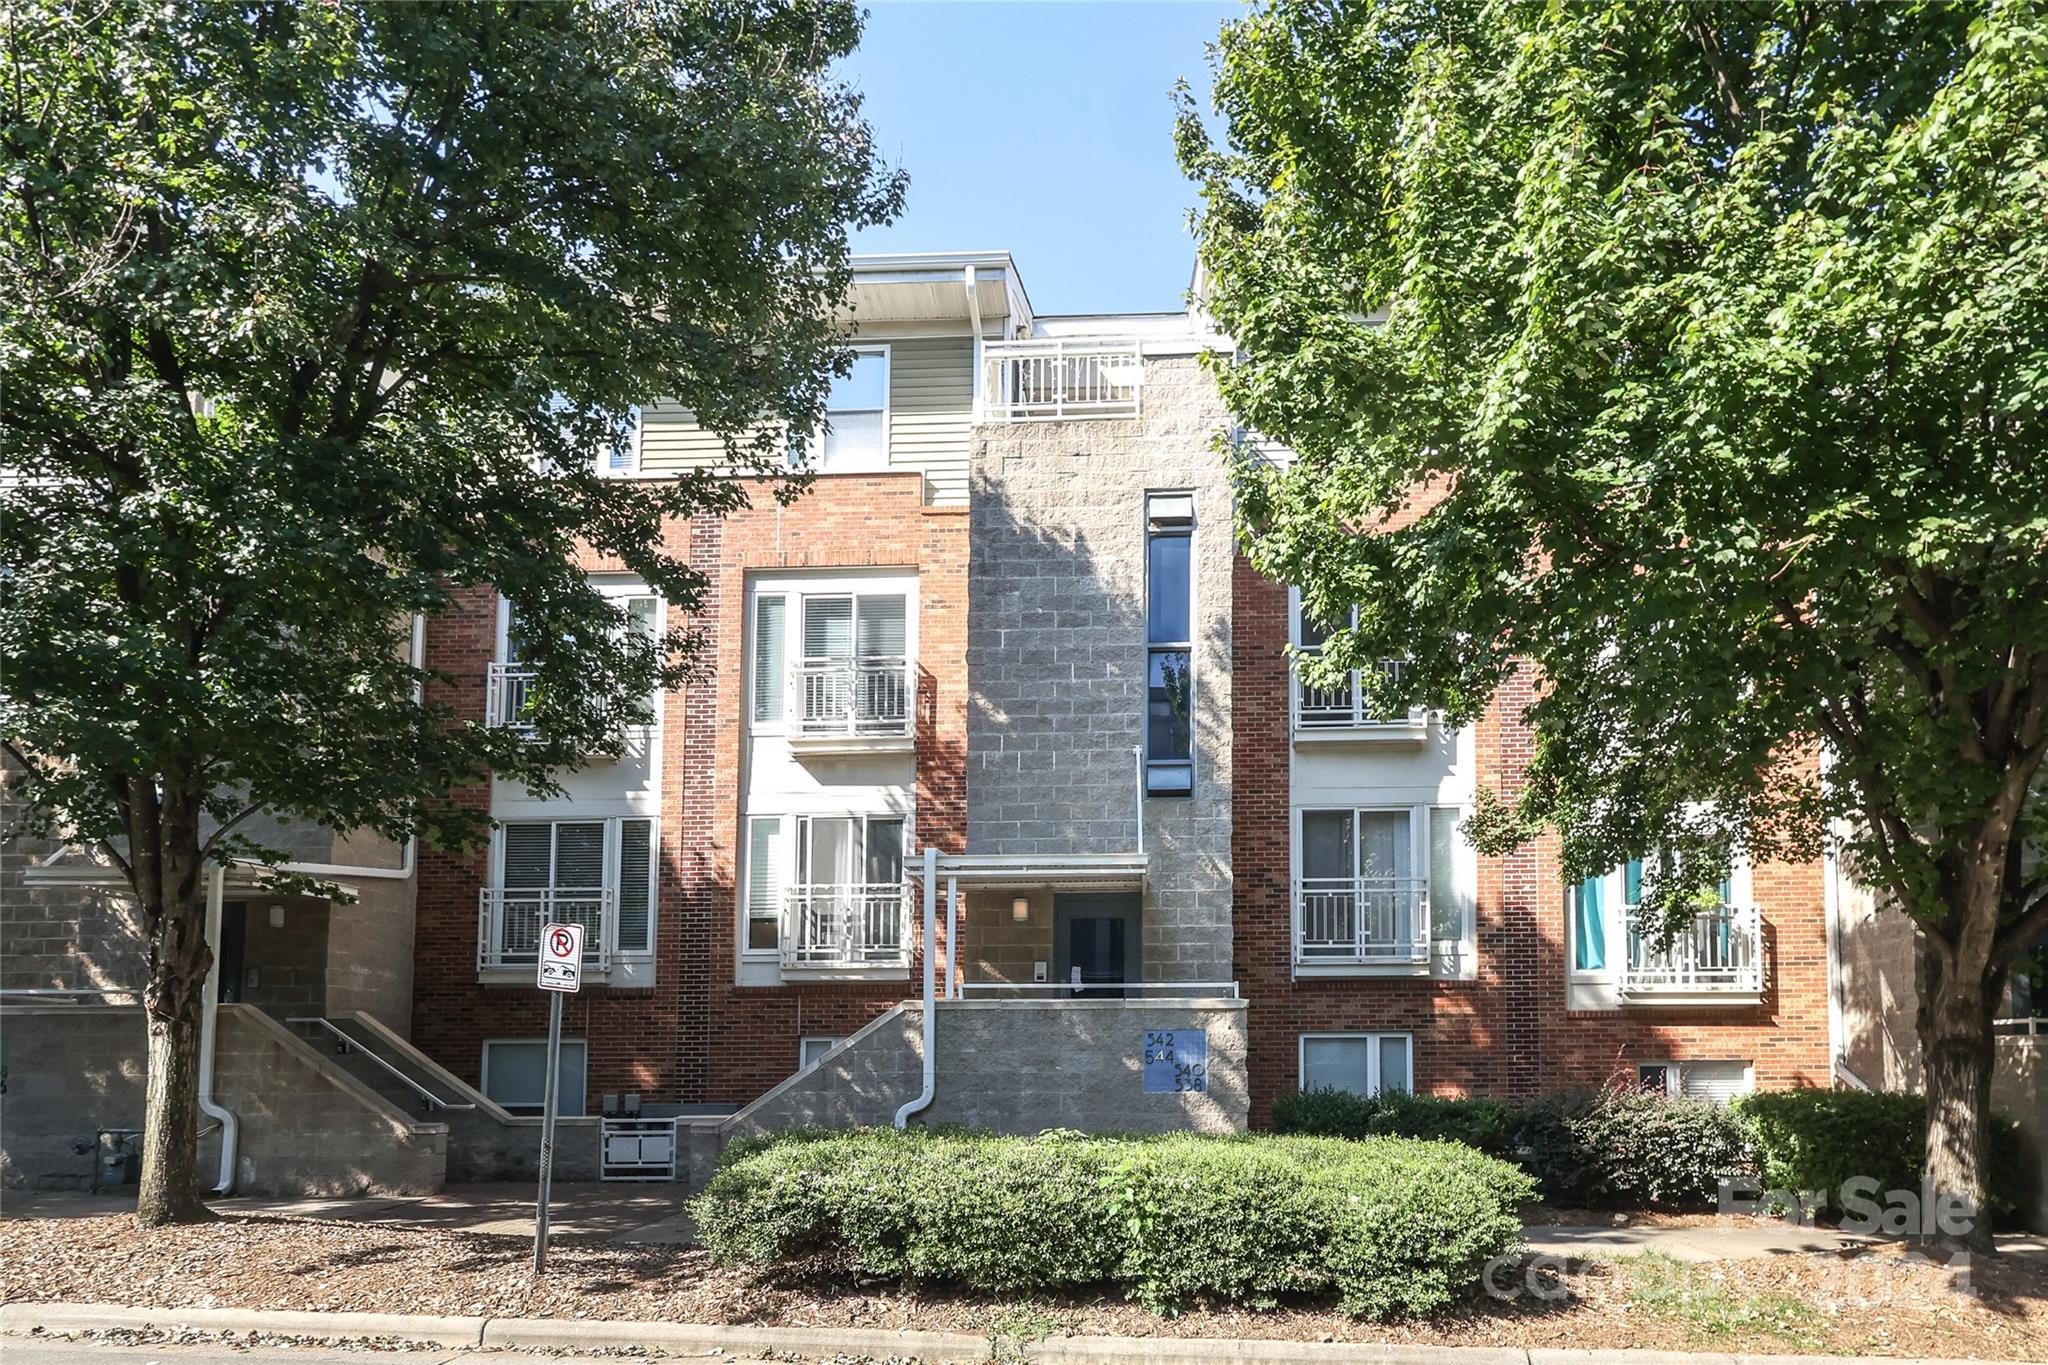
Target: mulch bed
pixel 1881 1303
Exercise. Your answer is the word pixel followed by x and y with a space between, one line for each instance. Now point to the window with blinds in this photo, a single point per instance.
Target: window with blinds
pixel 767 856
pixel 636 886
pixel 579 855
pixel 771 658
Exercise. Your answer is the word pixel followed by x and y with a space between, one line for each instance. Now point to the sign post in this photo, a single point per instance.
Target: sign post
pixel 561 973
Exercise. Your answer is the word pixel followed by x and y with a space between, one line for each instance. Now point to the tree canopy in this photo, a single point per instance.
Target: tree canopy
pixel 1715 333
pixel 1693 358
pixel 314 315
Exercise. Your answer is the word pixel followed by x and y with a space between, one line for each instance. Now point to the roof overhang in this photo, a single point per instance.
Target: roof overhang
pixel 1037 871
pixel 933 288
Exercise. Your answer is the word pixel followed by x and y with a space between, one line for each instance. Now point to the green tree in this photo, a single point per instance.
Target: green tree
pixel 313 315
pixel 1691 357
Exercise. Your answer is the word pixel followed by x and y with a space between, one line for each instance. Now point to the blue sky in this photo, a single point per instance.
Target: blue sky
pixel 1043 129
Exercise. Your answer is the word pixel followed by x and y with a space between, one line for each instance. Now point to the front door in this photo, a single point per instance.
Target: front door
pixel 1096 942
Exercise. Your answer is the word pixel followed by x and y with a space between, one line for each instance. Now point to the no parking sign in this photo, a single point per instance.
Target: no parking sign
pixel 561 957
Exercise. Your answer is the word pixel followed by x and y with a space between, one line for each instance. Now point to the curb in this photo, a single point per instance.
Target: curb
pixel 679 1338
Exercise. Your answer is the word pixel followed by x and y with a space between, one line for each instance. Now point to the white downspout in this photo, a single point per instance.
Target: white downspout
pixel 931 1004
pixel 230 1128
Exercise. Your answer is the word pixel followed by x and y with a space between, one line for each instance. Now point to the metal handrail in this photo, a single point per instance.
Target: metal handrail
pixel 1056 379
pixel 1361 921
pixel 1124 988
pixel 2030 1026
pixel 354 1045
pixel 1720 950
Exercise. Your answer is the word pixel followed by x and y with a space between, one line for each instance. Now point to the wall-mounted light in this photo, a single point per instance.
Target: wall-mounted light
pixel 277 917
pixel 1020 909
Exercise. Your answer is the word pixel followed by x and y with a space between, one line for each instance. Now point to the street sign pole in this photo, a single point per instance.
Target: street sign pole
pixel 560 974
pixel 549 1104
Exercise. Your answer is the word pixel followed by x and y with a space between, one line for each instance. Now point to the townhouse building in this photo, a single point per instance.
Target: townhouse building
pixel 998 801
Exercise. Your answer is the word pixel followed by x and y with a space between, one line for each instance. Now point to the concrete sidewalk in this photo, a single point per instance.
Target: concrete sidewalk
pixel 31 1322
pixel 649 1214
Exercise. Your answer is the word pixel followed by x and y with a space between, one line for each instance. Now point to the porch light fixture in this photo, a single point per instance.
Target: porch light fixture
pixel 1020 909
pixel 277 917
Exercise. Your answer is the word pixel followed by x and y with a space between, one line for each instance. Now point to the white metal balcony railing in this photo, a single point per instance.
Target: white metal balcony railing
pixel 858 698
pixel 1056 379
pixel 1361 921
pixel 505 688
pixel 1343 707
pixel 847 925
pixel 1721 950
pixel 509 920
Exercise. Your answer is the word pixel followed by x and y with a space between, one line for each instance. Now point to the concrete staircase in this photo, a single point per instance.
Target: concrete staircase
pixel 485 1143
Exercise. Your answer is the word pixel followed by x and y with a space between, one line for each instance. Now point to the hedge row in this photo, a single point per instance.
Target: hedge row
pixel 1629 1149
pixel 1390 1226
pixel 1819 1139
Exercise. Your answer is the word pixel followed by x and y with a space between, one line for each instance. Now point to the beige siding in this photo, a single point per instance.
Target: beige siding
pixel 931 414
pixel 671 439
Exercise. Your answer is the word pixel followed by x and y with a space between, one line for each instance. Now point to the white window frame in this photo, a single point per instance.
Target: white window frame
pixel 1417 715
pixel 1614 921
pixel 1371 1038
pixel 816 453
pixel 614 848
pixel 794 592
pixel 1464 874
pixel 1674 1072
pixel 617 591
pixel 484 1069
pixel 631 468
pixel 795 833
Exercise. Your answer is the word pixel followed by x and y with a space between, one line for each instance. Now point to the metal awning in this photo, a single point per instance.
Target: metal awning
pixel 1055 872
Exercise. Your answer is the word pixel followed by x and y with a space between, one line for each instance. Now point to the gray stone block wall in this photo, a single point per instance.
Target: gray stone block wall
pixel 1056 654
pixel 1018 1067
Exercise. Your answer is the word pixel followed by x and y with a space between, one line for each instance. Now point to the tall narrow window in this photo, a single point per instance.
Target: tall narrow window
pixel 766 859
pixel 636 886
pixel 771 666
pixel 1169 644
pixel 1448 901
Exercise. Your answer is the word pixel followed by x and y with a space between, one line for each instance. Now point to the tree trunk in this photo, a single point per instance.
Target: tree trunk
pixel 175 1001
pixel 1957 1050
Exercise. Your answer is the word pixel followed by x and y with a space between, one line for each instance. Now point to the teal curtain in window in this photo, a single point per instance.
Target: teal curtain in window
pixel 1632 882
pixel 1589 927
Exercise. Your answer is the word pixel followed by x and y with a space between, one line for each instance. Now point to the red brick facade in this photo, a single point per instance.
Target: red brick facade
pixel 1508 1032
pixel 696 1037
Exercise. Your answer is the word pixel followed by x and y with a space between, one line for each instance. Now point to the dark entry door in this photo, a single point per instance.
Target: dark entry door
pixel 234 935
pixel 1097 935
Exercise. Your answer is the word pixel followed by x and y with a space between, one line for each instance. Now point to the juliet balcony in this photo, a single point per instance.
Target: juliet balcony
pixel 856 705
pixel 1055 379
pixel 1339 714
pixel 1716 957
pixel 509 921
pixel 847 927
pixel 1352 923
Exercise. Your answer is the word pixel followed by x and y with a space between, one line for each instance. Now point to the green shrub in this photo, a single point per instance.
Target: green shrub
pixel 1820 1139
pixel 1629 1148
pixel 1389 1225
pixel 1482 1123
